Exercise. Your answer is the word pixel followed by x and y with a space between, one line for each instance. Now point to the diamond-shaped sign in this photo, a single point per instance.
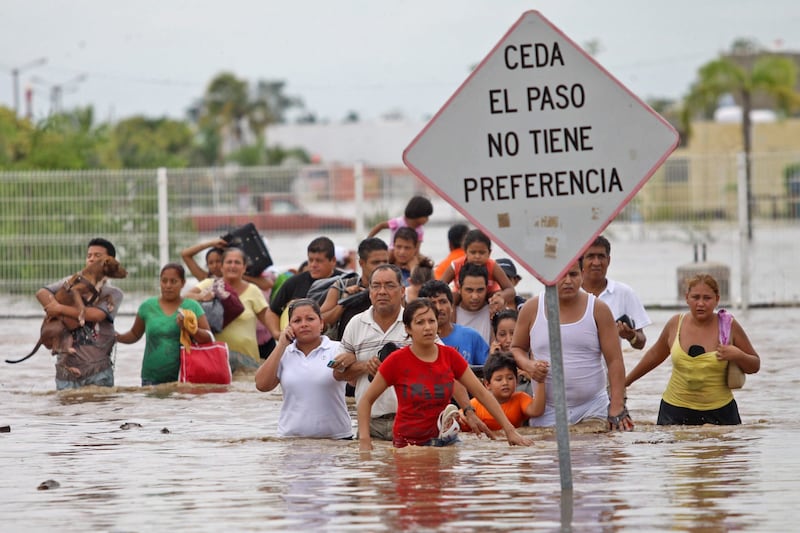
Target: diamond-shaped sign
pixel 540 147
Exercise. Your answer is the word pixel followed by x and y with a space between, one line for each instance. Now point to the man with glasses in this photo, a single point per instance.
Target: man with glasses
pixel 366 335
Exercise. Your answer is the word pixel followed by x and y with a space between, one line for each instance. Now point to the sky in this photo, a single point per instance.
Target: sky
pixel 374 57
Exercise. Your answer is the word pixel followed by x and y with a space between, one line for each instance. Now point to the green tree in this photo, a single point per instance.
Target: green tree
pixel 15 138
pixel 70 141
pixel 771 74
pixel 232 117
pixel 142 142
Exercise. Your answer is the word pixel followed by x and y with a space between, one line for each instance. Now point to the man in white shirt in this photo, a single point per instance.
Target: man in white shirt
pixel 364 337
pixel 618 296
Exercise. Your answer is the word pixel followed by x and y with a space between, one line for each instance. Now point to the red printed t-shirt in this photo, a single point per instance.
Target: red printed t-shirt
pixel 514 410
pixel 423 390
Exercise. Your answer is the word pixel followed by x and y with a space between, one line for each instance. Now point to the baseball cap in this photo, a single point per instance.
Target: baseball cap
pixel 508 267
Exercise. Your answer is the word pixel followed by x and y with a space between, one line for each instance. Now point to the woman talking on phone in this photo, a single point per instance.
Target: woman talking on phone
pixel 313 401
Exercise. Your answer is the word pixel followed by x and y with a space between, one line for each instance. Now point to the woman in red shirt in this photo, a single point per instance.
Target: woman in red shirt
pixel 424 375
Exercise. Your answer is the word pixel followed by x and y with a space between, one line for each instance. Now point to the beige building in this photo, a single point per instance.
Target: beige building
pixel 700 180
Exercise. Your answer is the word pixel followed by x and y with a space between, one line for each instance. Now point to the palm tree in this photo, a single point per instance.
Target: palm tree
pixel 770 74
pixel 230 110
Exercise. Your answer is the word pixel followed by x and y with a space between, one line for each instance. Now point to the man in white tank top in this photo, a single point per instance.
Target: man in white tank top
pixel 588 336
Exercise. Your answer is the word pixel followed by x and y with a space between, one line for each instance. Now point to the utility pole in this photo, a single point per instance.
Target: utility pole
pixel 57 90
pixel 15 79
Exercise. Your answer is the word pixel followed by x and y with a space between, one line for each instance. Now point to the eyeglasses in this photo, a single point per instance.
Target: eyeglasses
pixel 387 286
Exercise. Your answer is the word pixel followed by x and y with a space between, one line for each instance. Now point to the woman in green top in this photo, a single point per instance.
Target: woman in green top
pixel 160 322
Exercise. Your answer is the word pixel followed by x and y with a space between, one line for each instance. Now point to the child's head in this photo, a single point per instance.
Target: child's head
pixel 422 272
pixel 417 211
pixel 405 246
pixel 477 247
pixel 503 324
pixel 500 375
pixel 214 261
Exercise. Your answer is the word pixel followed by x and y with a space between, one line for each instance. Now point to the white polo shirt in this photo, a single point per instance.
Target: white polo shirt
pixel 365 338
pixel 313 401
pixel 621 299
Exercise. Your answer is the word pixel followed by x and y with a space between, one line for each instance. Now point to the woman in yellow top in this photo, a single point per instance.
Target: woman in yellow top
pixel 697 392
pixel 239 334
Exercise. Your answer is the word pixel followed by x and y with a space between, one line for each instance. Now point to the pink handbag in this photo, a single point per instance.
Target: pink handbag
pixel 205 363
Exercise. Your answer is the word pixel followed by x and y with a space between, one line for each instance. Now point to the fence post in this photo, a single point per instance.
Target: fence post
pixel 744 229
pixel 163 217
pixel 358 172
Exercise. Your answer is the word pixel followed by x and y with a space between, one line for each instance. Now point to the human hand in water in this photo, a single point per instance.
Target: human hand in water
pixel 476 425
pixel 515 439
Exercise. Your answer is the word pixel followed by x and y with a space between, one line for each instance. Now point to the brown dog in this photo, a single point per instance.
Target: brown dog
pixel 80 290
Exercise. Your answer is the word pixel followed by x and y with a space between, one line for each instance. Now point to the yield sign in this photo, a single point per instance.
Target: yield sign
pixel 540 147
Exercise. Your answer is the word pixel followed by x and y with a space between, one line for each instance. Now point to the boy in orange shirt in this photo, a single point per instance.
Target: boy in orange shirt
pixel 500 377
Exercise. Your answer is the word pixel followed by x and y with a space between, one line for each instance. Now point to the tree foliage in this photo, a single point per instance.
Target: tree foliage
pixel 740 74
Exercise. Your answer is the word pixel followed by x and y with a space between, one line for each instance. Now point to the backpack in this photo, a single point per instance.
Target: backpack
pixel 319 288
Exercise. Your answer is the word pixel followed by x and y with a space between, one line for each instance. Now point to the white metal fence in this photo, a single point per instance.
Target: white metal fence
pixel 46 218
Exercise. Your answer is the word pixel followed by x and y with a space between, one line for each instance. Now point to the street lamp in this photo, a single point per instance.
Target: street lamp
pixel 15 79
pixel 57 90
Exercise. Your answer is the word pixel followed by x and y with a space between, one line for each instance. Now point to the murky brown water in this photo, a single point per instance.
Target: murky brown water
pixel 220 466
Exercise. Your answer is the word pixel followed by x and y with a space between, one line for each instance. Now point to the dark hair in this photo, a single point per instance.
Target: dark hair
pixel 322 245
pixel 502 315
pixel 412 308
pixel 418 207
pixel 177 268
pixel 473 269
pixel 220 251
pixel 476 235
pixel 369 245
pixel 455 235
pixel 387 266
pixel 435 287
pixel 602 241
pixel 99 241
pixel 407 234
pixel 303 302
pixel 498 361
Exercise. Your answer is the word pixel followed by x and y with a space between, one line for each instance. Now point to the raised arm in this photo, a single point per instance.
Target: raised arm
pixel 377 228
pixel 536 407
pixel 267 374
pixel 187 254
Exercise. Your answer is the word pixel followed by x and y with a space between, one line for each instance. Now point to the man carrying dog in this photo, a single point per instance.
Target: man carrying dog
pixel 90 363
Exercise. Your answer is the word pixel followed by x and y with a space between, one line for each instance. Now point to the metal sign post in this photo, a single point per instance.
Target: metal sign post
pixel 541 148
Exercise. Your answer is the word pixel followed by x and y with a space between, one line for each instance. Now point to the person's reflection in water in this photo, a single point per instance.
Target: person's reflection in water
pixel 421 475
pixel 705 476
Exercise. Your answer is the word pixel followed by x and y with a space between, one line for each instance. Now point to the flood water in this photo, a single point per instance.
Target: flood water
pixel 208 459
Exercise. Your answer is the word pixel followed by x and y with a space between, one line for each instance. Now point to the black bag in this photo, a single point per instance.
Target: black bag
pixel 319 287
pixel 248 239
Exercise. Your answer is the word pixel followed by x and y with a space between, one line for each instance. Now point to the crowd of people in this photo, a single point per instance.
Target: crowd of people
pixel 427 349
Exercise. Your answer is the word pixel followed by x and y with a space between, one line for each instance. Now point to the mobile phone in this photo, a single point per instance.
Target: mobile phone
pixel 628 321
pixel 332 363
